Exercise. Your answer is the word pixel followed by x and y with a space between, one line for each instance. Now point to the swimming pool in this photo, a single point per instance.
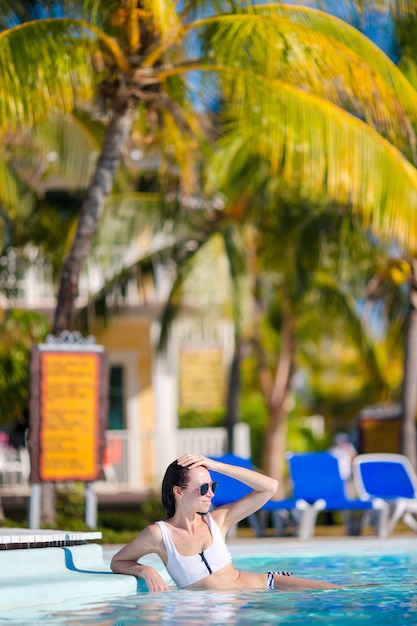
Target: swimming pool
pixel 392 564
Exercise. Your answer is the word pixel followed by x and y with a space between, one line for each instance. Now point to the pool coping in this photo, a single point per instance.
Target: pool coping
pixel 21 538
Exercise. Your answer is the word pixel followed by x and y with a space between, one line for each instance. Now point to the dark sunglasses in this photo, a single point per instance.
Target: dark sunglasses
pixel 206 486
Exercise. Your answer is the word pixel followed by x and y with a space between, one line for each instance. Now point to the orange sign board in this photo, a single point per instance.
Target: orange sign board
pixel 69 409
pixel 68 405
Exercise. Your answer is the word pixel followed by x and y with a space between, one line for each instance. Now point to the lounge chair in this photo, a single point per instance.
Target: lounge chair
pixel 317 485
pixel 392 478
pixel 230 490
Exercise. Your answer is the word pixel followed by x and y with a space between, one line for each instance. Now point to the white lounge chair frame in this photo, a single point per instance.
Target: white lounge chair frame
pixel 400 507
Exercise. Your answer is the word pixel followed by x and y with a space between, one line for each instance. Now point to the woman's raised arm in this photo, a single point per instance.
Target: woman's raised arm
pixel 264 487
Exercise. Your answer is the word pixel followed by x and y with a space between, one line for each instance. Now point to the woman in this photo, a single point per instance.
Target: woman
pixel 191 541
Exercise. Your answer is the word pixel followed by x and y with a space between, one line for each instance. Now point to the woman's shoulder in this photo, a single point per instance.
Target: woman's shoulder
pixel 150 533
pixel 155 529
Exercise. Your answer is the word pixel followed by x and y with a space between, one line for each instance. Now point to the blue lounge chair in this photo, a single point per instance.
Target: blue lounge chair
pixel 392 478
pixel 316 480
pixel 231 490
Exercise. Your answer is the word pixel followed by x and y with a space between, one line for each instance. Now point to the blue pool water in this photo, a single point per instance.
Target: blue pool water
pixel 387 595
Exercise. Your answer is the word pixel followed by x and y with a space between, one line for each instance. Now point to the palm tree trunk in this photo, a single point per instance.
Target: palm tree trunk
pixel 99 189
pixel 233 392
pixel 276 432
pixel 409 391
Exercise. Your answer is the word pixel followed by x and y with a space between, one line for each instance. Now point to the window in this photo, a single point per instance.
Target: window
pixel 116 399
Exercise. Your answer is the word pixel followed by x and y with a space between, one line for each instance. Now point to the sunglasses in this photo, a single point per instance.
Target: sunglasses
pixel 206 486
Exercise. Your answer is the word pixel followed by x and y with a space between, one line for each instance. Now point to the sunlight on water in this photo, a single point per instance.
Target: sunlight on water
pixel 387 595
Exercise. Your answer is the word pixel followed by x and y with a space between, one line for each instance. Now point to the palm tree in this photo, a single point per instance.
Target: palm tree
pixel 393 283
pixel 284 116
pixel 137 55
pixel 292 255
pixel 396 36
pixel 300 279
pixel 231 160
pixel 406 24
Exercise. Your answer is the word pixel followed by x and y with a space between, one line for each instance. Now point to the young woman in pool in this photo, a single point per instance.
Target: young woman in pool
pixel 191 541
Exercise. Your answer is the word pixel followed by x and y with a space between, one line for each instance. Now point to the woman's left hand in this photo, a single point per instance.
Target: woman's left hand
pixel 196 460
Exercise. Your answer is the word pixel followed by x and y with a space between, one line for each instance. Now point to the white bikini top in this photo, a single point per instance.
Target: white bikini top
pixel 186 570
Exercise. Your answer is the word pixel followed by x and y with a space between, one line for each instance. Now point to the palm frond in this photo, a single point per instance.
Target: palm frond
pixel 363 47
pixel 182 135
pixel 202 281
pixel 9 187
pixel 397 8
pixel 126 217
pixel 165 19
pixel 67 138
pixel 239 295
pixel 327 58
pixel 20 11
pixel 168 256
pixel 340 306
pixel 35 79
pixel 192 10
pixel 313 146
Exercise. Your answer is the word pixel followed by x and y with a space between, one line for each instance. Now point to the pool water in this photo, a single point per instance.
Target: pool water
pixel 387 594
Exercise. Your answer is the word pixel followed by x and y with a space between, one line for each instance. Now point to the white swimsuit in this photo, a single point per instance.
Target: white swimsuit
pixel 186 570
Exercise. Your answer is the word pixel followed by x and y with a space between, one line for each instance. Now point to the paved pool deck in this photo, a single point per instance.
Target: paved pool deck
pixel 321 546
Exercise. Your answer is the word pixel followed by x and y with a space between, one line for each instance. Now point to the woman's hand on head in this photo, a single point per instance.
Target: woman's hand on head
pixel 196 460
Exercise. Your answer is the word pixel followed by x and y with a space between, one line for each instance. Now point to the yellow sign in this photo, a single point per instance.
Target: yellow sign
pixel 69 409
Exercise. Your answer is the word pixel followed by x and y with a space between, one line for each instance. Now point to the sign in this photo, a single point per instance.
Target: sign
pixel 68 412
pixel 380 429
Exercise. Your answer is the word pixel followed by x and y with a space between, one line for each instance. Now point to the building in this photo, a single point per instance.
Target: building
pixel 148 386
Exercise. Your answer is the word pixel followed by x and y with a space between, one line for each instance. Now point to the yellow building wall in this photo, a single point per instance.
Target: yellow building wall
pixel 133 334
pixel 202 380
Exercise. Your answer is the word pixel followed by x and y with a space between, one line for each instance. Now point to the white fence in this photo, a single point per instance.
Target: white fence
pixel 207 441
pixel 14 466
pixel 122 457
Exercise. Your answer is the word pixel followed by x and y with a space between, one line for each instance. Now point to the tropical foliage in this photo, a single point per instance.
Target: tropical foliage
pixel 315 113
pixel 18 333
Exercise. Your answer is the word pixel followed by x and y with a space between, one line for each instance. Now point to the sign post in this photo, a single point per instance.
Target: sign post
pixel 69 380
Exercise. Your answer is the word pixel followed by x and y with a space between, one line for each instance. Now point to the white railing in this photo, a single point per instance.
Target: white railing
pixel 126 455
pixel 14 466
pixel 207 441
pixel 116 457
pixel 121 446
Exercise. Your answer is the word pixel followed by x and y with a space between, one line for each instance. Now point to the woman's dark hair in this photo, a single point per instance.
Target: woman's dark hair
pixel 175 475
